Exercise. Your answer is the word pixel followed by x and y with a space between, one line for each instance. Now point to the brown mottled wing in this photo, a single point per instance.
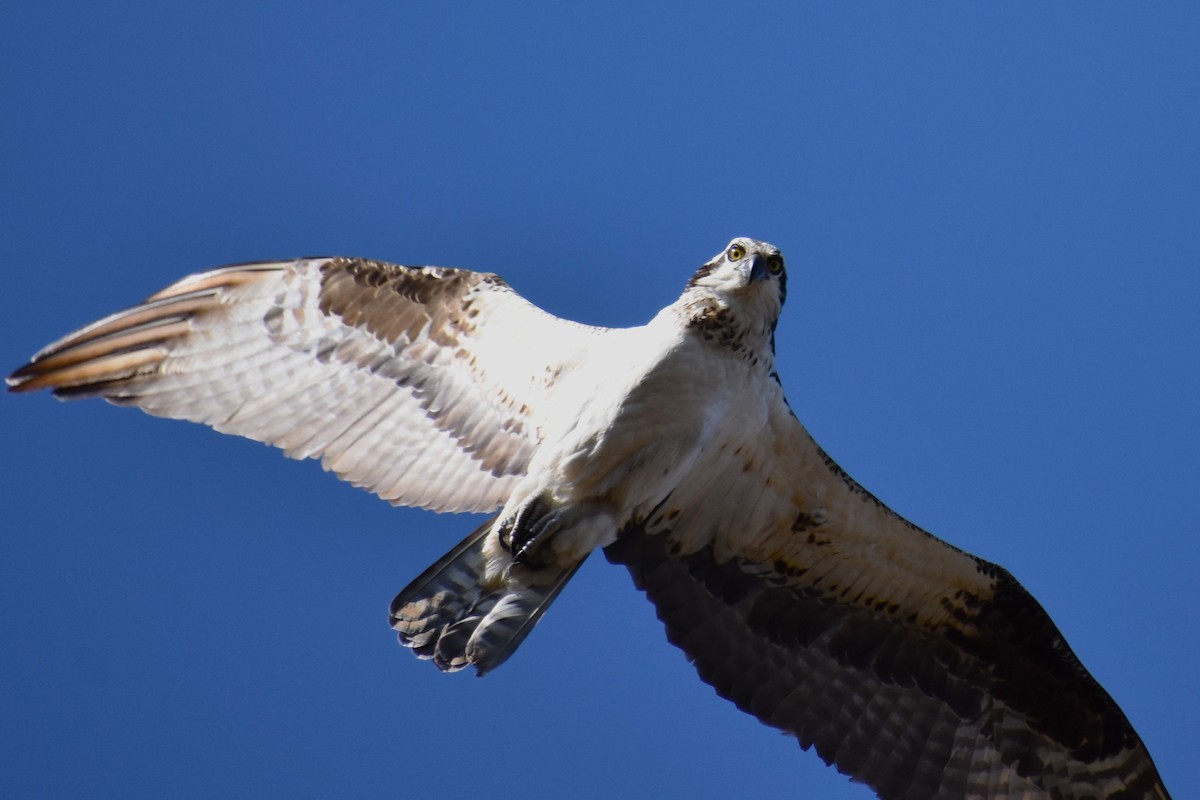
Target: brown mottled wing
pixel 420 384
pixel 909 665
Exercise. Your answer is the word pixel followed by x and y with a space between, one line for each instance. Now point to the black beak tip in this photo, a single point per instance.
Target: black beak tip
pixel 758 268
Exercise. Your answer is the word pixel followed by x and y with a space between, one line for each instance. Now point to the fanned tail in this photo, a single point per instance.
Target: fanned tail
pixel 472 607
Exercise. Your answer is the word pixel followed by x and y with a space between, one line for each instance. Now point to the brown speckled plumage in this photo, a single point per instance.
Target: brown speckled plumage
pixel 906 663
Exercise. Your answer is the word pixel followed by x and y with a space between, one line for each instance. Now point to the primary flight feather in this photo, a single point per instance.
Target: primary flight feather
pixel 908 664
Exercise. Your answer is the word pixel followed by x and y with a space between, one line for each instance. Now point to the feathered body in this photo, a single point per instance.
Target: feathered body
pixel 908 664
pixel 628 420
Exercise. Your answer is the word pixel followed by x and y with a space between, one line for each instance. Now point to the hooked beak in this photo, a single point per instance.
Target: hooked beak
pixel 758 268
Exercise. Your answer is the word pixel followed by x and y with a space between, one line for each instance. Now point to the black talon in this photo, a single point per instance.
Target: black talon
pixel 529 543
pixel 517 535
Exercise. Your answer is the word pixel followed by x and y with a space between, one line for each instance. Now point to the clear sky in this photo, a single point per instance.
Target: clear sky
pixel 991 217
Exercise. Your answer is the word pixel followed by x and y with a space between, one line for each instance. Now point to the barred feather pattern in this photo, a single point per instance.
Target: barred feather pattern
pixel 473 607
pixel 380 370
pixel 891 705
pixel 908 664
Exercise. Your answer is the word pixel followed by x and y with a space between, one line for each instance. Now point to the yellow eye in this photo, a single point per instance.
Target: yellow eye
pixel 775 265
pixel 736 251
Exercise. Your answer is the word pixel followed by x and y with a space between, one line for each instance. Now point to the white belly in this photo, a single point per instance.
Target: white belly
pixel 629 431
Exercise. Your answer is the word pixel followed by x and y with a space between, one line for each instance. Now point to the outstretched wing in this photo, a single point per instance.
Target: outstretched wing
pixel 420 384
pixel 911 666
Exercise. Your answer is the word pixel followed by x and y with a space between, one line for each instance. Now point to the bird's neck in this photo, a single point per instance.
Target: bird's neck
pixel 735 327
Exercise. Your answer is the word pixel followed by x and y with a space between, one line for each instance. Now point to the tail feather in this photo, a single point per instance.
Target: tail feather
pixel 467 610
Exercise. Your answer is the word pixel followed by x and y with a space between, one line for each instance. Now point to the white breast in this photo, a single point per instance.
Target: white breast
pixel 637 420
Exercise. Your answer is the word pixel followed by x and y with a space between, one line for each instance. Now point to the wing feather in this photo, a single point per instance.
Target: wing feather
pixel 908 664
pixel 420 384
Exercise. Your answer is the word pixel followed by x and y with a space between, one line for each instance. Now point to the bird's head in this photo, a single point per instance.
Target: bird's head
pixel 745 268
pixel 745 284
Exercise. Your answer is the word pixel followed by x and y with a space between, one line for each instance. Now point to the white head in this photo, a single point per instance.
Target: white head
pixel 742 264
pixel 743 286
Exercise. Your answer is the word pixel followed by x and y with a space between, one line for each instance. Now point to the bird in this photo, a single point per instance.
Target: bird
pixel 904 662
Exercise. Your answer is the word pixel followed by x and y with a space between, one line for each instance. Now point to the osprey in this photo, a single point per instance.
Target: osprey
pixel 908 664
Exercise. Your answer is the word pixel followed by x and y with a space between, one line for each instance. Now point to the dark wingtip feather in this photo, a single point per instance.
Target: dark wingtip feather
pixel 128 343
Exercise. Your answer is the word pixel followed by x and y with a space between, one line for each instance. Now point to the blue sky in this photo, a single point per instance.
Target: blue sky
pixel 990 216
